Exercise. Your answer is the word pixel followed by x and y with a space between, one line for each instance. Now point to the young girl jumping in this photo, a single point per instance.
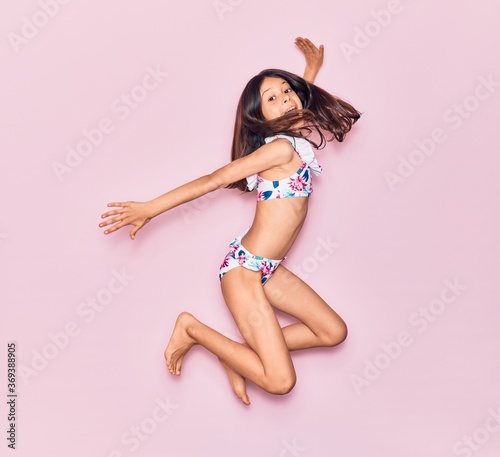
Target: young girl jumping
pixel 271 152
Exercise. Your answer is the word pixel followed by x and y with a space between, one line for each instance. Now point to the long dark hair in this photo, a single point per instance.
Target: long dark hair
pixel 322 112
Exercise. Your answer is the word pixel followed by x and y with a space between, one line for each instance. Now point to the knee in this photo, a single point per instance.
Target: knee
pixel 335 335
pixel 281 385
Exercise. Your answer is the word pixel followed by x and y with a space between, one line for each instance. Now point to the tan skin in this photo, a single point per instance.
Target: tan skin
pixel 264 357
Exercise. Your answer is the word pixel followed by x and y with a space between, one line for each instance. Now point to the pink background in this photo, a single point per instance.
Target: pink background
pixel 419 74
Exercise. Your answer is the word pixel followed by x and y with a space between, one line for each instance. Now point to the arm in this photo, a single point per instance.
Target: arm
pixel 138 214
pixel 313 55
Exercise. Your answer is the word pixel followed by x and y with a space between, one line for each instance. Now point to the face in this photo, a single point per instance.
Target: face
pixel 277 98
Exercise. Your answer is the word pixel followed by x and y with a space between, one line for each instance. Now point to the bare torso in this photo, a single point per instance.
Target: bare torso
pixel 275 226
pixel 278 221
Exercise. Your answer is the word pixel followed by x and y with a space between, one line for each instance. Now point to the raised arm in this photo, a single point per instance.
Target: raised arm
pixel 313 55
pixel 138 214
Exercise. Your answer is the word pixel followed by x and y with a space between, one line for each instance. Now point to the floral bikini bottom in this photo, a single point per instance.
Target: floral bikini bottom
pixel 238 256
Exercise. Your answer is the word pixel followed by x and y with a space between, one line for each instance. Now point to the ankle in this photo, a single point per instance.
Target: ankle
pixel 188 323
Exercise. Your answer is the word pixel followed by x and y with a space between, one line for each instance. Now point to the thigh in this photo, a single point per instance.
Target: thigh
pixel 244 295
pixel 288 293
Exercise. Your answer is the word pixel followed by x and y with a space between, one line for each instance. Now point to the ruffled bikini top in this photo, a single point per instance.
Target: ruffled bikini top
pixel 297 185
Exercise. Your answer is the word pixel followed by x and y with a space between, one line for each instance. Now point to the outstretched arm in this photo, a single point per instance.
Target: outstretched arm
pixel 313 55
pixel 138 214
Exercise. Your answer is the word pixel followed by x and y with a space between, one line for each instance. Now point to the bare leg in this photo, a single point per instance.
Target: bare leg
pixel 238 383
pixel 180 343
pixel 265 360
pixel 178 346
pixel 322 327
pixel 319 326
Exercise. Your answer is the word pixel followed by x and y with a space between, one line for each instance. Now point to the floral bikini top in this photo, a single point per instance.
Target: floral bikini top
pixel 297 185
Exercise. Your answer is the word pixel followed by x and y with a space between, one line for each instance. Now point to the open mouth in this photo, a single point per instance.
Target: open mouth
pixel 290 109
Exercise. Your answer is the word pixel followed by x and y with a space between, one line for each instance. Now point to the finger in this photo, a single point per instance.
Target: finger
pixel 117 204
pixel 111 221
pixel 133 232
pixel 115 220
pixel 111 213
pixel 302 47
pixel 299 41
pixel 308 44
pixel 114 228
pixel 308 48
pixel 119 217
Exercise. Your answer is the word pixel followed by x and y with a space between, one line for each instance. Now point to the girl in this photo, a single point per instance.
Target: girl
pixel 271 152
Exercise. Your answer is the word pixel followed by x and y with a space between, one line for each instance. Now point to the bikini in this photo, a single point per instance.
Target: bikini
pixel 297 185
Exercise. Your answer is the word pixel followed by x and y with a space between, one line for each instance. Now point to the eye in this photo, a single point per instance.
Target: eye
pixel 272 98
pixel 288 90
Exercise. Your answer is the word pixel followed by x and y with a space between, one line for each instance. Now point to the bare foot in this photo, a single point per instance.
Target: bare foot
pixel 238 383
pixel 180 343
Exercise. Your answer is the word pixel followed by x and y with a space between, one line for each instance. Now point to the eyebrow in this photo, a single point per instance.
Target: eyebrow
pixel 284 82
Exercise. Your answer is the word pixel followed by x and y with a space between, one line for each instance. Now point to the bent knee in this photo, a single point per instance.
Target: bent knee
pixel 335 335
pixel 281 385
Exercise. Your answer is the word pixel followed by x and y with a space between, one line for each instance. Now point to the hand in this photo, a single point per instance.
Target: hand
pixel 128 213
pixel 314 57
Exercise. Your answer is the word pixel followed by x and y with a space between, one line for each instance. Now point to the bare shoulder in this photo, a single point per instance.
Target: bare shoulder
pixel 282 149
pixel 270 155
